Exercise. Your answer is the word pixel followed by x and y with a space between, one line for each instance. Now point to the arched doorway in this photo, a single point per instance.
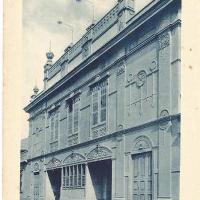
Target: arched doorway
pixel 142 169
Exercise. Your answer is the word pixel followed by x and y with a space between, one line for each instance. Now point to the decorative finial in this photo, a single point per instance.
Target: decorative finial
pixel 50 46
pixel 49 54
pixel 35 90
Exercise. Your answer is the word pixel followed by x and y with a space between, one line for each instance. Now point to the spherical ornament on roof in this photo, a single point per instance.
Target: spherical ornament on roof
pixel 35 90
pixel 49 55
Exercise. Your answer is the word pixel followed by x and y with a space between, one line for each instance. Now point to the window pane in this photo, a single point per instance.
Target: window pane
pixel 76 111
pixel 103 115
pixel 95 108
pixel 70 123
pixel 71 176
pixel 52 128
pixel 79 175
pixel 83 175
pixel 56 127
pixel 67 178
pixel 103 103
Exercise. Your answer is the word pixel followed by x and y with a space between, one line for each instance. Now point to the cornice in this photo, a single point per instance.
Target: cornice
pixel 152 11
pixel 111 135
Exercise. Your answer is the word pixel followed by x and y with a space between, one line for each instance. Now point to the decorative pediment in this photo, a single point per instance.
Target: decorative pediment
pixel 142 143
pixel 53 163
pixel 99 153
pixel 74 158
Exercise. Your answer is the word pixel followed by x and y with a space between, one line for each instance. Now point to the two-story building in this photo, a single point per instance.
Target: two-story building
pixel 107 124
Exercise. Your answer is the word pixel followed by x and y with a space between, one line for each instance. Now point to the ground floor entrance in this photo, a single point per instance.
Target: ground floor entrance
pixel 101 178
pixel 55 180
pixel 142 176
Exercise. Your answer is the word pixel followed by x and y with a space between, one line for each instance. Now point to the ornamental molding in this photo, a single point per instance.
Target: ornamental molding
pixel 99 153
pixel 36 167
pixel 164 124
pixel 74 158
pixel 121 68
pixel 141 78
pixel 164 40
pixel 53 164
pixel 142 143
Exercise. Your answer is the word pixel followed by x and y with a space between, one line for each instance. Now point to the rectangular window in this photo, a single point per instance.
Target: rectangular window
pixel 54 124
pixel 73 116
pixel 99 103
pixel 76 113
pixel 54 131
pixel 74 176
pixel 95 107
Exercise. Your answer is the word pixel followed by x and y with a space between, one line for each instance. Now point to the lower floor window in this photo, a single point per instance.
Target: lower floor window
pixel 74 176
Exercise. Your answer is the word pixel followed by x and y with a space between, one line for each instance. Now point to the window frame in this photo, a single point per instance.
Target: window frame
pixel 54 137
pixel 71 177
pixel 73 102
pixel 97 89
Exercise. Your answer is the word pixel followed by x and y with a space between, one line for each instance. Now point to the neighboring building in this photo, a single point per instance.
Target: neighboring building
pixel 23 164
pixel 107 124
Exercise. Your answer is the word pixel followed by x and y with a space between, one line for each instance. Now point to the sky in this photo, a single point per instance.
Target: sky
pixel 40 27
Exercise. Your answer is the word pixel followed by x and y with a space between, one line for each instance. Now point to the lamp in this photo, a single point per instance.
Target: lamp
pixel 93 8
pixel 69 26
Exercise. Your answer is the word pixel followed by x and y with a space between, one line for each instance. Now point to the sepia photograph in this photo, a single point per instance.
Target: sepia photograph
pixel 101 100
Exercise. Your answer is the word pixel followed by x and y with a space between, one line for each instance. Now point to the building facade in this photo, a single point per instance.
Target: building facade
pixel 107 124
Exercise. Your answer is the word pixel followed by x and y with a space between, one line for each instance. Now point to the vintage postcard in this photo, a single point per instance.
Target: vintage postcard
pixel 95 106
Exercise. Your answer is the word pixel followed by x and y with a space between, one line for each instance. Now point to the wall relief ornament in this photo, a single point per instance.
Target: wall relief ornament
pixel 74 158
pixel 141 78
pixel 53 164
pixel 121 68
pixel 164 40
pixel 164 123
pixel 142 143
pixel 153 66
pixel 99 153
pixel 36 167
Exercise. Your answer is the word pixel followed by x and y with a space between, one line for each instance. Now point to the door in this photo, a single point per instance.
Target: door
pixel 142 176
pixel 101 177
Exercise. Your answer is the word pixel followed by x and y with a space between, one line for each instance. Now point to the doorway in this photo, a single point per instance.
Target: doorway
pixel 101 176
pixel 55 180
pixel 142 176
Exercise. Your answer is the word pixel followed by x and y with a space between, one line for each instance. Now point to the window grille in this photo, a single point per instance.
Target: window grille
pixel 74 176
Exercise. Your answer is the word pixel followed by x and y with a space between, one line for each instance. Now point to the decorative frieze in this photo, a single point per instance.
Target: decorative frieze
pixel 53 146
pixel 73 139
pixel 99 131
pixel 99 153
pixel 141 143
pixel 164 40
pixel 74 158
pixel 53 164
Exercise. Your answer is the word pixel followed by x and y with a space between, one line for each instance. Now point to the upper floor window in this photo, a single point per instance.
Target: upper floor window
pixel 73 120
pixel 99 103
pixel 54 131
pixel 54 127
pixel 73 116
